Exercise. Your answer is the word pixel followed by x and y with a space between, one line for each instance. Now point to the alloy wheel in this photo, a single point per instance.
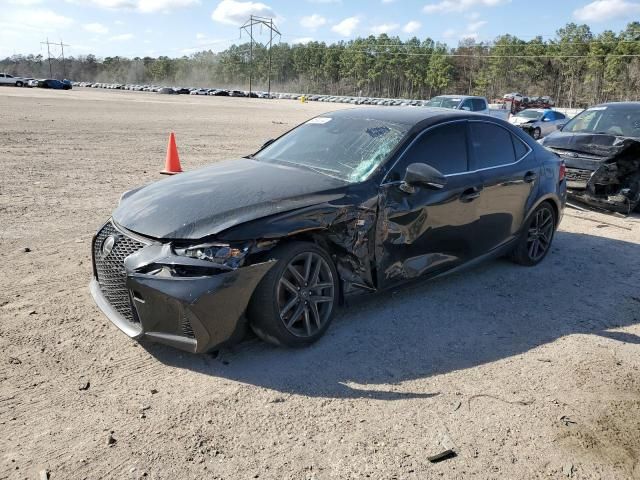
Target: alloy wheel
pixel 305 294
pixel 540 234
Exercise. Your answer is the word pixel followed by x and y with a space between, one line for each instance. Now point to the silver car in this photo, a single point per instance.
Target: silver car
pixel 539 122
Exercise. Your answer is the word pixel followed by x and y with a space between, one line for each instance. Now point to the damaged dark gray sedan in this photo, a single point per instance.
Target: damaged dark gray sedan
pixel 601 148
pixel 348 203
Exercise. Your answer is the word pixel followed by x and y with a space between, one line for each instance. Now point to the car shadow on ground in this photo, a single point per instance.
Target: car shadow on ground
pixel 587 285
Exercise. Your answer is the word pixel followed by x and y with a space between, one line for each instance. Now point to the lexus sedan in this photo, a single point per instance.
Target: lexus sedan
pixel 345 204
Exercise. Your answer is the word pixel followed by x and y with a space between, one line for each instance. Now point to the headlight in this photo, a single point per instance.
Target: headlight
pixel 222 254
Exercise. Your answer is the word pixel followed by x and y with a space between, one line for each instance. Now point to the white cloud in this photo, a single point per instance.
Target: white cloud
pixel 302 40
pixel 411 27
pixel 232 12
pixel 384 28
pixel 472 27
pixel 95 28
pixel 35 19
pixel 144 6
pixel 312 22
pixel 122 38
pixel 603 10
pixel 24 3
pixel 447 6
pixel 347 26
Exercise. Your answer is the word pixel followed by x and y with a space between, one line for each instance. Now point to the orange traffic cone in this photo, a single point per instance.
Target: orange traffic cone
pixel 172 163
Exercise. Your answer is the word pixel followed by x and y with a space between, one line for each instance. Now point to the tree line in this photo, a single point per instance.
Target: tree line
pixel 576 67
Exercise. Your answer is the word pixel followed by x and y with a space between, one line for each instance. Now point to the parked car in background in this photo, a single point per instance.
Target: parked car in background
pixel 54 84
pixel 348 203
pixel 467 103
pixel 539 122
pixel 601 147
pixel 6 79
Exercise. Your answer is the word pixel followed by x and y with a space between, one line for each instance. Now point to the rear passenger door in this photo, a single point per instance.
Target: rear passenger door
pixel 510 175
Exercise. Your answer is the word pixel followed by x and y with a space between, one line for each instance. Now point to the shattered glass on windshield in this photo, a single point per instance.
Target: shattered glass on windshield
pixel 347 148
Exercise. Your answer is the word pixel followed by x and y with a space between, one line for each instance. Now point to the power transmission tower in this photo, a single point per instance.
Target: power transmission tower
pixel 255 20
pixel 61 45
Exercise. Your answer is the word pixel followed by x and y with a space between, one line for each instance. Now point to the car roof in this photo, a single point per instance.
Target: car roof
pixel 404 115
pixel 622 105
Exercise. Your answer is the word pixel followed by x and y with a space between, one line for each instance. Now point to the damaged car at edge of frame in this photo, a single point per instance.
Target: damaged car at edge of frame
pixel 345 204
pixel 601 148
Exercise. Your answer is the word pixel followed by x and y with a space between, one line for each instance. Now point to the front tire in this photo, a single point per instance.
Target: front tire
pixel 294 303
pixel 19 84
pixel 536 237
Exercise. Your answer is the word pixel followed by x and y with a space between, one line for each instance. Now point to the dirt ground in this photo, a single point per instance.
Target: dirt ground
pixel 525 373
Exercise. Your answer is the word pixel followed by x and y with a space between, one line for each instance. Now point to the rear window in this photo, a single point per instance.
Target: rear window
pixel 492 145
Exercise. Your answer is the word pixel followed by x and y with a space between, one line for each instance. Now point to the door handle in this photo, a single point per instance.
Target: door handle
pixel 530 177
pixel 470 194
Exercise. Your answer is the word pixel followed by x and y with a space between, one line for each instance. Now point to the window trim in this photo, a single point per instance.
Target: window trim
pixel 468 122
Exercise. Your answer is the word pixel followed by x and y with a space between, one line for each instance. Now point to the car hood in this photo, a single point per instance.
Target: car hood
pixel 206 201
pixel 586 150
pixel 522 120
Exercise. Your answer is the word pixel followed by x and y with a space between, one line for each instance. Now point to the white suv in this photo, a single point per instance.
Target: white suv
pixel 6 79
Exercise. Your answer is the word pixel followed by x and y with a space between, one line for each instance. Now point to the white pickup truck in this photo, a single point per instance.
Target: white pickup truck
pixel 6 79
pixel 469 103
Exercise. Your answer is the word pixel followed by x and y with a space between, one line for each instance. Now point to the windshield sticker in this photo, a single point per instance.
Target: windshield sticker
pixel 319 121
pixel 595 109
pixel 378 131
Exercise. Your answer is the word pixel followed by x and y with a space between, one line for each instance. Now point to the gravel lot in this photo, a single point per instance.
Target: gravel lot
pixel 526 373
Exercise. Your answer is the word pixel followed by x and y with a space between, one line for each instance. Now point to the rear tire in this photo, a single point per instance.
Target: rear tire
pixel 536 238
pixel 19 84
pixel 294 303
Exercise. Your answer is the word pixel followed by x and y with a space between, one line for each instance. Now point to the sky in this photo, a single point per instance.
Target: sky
pixel 180 27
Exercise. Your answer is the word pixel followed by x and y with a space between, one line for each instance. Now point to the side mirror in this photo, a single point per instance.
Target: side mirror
pixel 546 119
pixel 421 174
pixel 267 143
pixel 468 109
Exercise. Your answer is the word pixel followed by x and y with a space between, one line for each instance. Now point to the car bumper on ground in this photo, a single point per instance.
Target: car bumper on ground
pixel 196 314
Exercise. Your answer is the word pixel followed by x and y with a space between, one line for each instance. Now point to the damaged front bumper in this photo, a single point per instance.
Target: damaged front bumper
pixel 192 313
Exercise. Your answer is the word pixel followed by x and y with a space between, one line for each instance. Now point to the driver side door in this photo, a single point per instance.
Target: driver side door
pixel 424 231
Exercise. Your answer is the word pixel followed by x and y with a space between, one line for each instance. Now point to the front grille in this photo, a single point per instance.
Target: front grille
pixel 186 327
pixel 578 175
pixel 110 269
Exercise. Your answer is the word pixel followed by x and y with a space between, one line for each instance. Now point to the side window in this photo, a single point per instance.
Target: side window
pixel 519 146
pixel 492 145
pixel 551 116
pixel 1 75
pixel 560 116
pixel 444 148
pixel 479 104
pixel 467 105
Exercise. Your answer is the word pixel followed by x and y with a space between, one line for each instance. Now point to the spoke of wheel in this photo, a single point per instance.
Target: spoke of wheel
pixel 289 306
pixel 288 285
pixel 307 321
pixel 316 314
pixel 316 274
pixel 296 315
pixel 307 268
pixel 321 286
pixel 531 247
pixel 546 221
pixel 321 299
pixel 296 274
